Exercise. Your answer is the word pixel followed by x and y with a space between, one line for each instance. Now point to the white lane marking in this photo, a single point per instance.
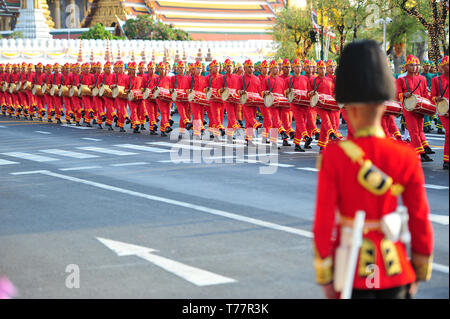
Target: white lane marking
pixel 177 161
pixel 31 157
pixel 5 162
pixel 436 138
pixel 441 268
pixel 144 148
pixel 129 164
pixel 280 165
pixel 68 153
pixel 222 144
pixel 180 145
pixel 1 126
pixel 77 127
pixel 106 150
pixel 310 169
pixel 435 135
pixel 212 211
pixel 91 139
pixel 43 132
pixel 198 277
pixel 440 219
pixel 435 186
pixel 303 153
pixel 78 168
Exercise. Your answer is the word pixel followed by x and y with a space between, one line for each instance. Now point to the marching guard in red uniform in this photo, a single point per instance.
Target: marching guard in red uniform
pixel 197 83
pixel 406 86
pixel 107 79
pixel 299 82
pixel 163 106
pixel 230 82
pixel 265 111
pixel 368 173
pixel 179 81
pixel 67 80
pixel 439 92
pixel 311 115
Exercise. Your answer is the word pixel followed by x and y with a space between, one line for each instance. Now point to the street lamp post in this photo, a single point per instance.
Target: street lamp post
pixel 384 22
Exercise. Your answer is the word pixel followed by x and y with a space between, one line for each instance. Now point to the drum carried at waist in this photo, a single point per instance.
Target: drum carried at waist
pixel 179 95
pixel 393 108
pixel 213 95
pixel 197 97
pixel 442 107
pixel 84 90
pixel 4 86
pixel 252 99
pixel 19 86
pixel 276 100
pixel 37 90
pixel 54 90
pixel 324 101
pixel 298 97
pixel 26 86
pixel 418 104
pixel 73 91
pixel 63 91
pixel 12 88
pixel 119 92
pixel 162 94
pixel 105 91
pixel 231 96
pixel 134 95
pixel 95 91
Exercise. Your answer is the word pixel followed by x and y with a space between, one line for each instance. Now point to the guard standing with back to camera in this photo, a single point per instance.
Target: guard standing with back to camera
pixel 368 173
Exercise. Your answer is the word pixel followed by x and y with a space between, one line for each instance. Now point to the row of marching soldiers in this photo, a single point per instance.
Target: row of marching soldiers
pixel 19 99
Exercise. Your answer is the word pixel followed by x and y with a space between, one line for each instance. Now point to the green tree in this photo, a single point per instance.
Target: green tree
pixel 291 31
pixel 145 28
pixel 16 35
pixel 98 31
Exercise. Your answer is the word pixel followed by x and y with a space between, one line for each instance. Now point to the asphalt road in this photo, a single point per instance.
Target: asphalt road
pixel 224 223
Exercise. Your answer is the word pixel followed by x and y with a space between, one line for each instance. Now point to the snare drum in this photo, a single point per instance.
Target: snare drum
pixel 442 107
pixel 19 86
pixel 146 93
pixel 214 95
pixel 314 99
pixel 393 108
pixel 44 88
pixel 253 99
pixel 26 86
pixel 53 90
pixel 418 104
pixel 36 90
pixel 327 102
pixel 280 101
pixel 84 90
pixel 4 86
pixel 73 91
pixel 198 98
pixel 118 92
pixel 12 88
pixel 298 97
pixel 95 91
pixel 63 91
pixel 162 94
pixel 134 95
pixel 179 95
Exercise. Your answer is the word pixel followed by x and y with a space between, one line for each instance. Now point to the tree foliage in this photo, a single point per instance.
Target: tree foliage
pixel 143 27
pixel 291 30
pixel 98 31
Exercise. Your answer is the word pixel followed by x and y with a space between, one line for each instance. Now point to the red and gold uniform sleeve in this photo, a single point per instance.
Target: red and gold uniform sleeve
pixel 401 88
pixel 324 220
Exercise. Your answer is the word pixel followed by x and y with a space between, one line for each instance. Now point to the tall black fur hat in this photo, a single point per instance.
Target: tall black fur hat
pixel 363 75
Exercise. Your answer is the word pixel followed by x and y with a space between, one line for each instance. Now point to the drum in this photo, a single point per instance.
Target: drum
pixel 393 108
pixel 298 97
pixel 44 88
pixel 63 91
pixel 134 95
pixel 162 94
pixel 442 107
pixel 145 93
pixel 118 91
pixel 231 96
pixel 327 102
pixel 4 86
pixel 314 99
pixel 53 90
pixel 276 100
pixel 84 90
pixel 18 86
pixel 213 95
pixel 179 95
pixel 105 91
pixel 36 90
pixel 95 91
pixel 26 86
pixel 418 104
pixel 73 91
pixel 254 99
pixel 12 88
pixel 198 98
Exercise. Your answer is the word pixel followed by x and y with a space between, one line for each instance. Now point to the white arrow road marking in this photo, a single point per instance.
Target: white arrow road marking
pixel 194 275
pixel 440 219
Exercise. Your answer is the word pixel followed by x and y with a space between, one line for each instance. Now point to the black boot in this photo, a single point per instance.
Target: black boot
pixel 127 120
pixel 425 158
pixel 91 115
pixel 299 149
pixel 163 134
pixel 115 119
pixel 104 118
pixel 50 120
pixel 142 127
pixel 68 122
pixel 426 129
pixel 292 135
pixel 100 127
pixel 122 130
pixel 83 113
pixel 284 135
pixel 286 143
pixel 155 127
pixel 308 143
pixel 445 166
pixel 52 113
pixel 94 122
pixel 251 144
pixel 88 124
pixel 147 119
pixel 222 132
pixel 169 129
pixel 333 137
pixel 136 129
pixel 428 150
pixel 58 121
pixel 153 132
pixel 171 122
pixel 440 131
pixel 189 126
pixel 72 116
pixel 316 136
pixel 110 128
pixel 78 124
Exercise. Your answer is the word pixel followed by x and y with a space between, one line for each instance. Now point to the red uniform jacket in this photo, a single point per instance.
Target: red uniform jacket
pixel 322 85
pixel 249 83
pixel 196 83
pixel 133 82
pixel 274 85
pixel 178 81
pixel 438 90
pixel 413 82
pixel 339 192
pixel 297 82
pixel 150 81
pixel 38 78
